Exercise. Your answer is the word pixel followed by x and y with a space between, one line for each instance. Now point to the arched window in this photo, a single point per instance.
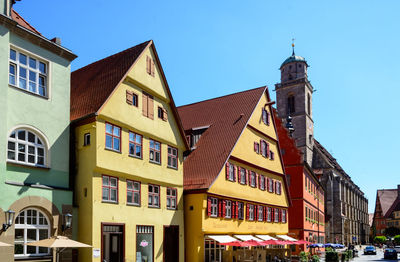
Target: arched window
pixel 290 104
pixel 30 225
pixel 25 147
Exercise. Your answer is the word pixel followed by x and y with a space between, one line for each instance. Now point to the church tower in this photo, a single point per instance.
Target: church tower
pixel 294 99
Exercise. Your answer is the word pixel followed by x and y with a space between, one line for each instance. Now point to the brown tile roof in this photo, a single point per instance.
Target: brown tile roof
pixel 387 198
pixel 22 22
pixel 93 84
pixel 226 117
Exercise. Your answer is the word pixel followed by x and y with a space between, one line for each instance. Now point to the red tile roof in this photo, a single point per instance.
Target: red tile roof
pixel 387 198
pixel 22 22
pixel 93 84
pixel 226 117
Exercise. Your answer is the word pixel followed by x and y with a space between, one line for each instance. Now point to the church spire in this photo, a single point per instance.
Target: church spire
pixel 293 46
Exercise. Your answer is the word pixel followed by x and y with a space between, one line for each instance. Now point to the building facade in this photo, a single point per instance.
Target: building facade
pixel 306 191
pixel 129 147
pixel 294 98
pixel 34 166
pixel 234 180
pixel 387 211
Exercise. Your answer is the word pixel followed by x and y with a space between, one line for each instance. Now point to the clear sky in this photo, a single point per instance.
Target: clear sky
pixel 213 48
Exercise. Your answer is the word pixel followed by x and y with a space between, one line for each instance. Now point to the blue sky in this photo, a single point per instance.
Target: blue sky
pixel 213 48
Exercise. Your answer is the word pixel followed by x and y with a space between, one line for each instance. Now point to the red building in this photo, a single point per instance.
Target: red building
pixel 307 220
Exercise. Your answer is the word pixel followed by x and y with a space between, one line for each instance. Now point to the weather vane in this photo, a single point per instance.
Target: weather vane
pixel 293 45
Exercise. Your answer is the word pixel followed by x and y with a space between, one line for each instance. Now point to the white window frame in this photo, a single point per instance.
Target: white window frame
pixel 269 214
pixel 111 189
pixel 253 178
pixel 211 253
pixel 262 182
pixel 134 192
pixel 228 209
pixel 172 153
pixel 172 195
pixel 39 144
pixel 276 215
pixel 153 195
pixel 18 65
pixel 36 227
pixel 260 214
pixel 240 207
pixel 251 212
pixel 214 207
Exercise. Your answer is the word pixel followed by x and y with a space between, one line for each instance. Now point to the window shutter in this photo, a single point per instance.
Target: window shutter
pixel 152 67
pixel 144 104
pixel 209 206
pixel 259 180
pixel 129 97
pixel 165 115
pixel 227 170
pixel 223 208
pixel 267 116
pixel 255 147
pixel 256 180
pixel 246 176
pixel 255 212
pixel 265 214
pixel 219 207
pixel 247 211
pixel 280 215
pixel 239 174
pixel 148 64
pixel 265 183
pixel 267 149
pixel 268 183
pixel 234 173
pixel 150 107
pixel 262 146
pixel 236 209
pixel 273 186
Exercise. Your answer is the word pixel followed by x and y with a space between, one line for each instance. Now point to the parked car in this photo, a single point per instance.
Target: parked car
pixel 390 253
pixel 397 248
pixel 369 250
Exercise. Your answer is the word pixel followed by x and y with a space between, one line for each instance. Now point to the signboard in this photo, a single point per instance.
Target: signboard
pixel 96 252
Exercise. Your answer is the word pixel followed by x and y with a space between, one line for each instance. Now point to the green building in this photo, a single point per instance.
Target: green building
pixel 34 137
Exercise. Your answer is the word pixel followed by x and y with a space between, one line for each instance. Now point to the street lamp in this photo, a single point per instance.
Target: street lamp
pixel 67 222
pixel 9 219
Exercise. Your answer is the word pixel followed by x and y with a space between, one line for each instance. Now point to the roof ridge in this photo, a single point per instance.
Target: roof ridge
pixel 211 99
pixel 110 56
pixel 34 29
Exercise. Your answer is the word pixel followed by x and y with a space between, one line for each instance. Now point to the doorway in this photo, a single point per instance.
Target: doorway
pixel 112 242
pixel 171 243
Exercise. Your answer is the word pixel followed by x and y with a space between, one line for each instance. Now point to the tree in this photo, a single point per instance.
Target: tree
pixel 397 240
pixel 380 239
pixel 392 231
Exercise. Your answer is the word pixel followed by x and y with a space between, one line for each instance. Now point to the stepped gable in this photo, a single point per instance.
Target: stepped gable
pixel 93 84
pixel 226 117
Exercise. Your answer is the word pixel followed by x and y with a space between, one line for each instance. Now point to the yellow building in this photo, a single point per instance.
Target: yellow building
pixel 129 146
pixel 234 180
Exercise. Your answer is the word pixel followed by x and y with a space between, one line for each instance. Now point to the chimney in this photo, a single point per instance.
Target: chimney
pixel 56 40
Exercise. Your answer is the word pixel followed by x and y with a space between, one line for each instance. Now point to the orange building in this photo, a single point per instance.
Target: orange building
pixel 307 193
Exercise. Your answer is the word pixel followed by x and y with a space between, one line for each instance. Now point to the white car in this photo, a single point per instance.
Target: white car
pixel 397 248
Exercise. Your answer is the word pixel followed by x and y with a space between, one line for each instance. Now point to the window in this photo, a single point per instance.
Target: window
pixel 133 192
pixel 155 151
pixel 271 155
pixel 162 114
pixel 31 225
pixel 265 116
pixel 260 213
pixel 144 243
pixel 154 196
pixel 283 216
pixel 278 187
pixel 269 215
pixel 131 98
pixel 150 68
pixel 270 185
pixel 240 207
pixel 212 206
pixel 110 189
pixel 113 137
pixel 261 183
pixel 291 105
pixel 25 147
pixel 276 215
pixel 148 105
pixel 86 139
pixel 242 176
pixel 253 182
pixel 250 210
pixel 135 145
pixel 264 148
pixel 172 157
pixel 228 209
pixel 28 73
pixel 213 251
pixel 230 172
pixel 171 198
pixel 308 104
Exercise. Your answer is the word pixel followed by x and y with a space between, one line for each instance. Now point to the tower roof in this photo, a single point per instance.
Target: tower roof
pixel 294 58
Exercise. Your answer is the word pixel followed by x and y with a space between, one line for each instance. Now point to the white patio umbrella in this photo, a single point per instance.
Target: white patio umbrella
pixel 58 242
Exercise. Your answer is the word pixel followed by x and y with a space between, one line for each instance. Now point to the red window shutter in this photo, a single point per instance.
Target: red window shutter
pixel 265 214
pixel 256 147
pixel 265 183
pixel 259 180
pixel 280 215
pixel 219 207
pixel 227 170
pixel 239 174
pixel 236 209
pixel 255 212
pixel 223 208
pixel 247 211
pixel 256 179
pixel 272 214
pixel 267 149
pixel 234 173
pixel 209 206
pixel 247 176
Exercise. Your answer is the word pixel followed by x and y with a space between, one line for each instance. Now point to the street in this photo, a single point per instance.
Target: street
pixel 377 257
